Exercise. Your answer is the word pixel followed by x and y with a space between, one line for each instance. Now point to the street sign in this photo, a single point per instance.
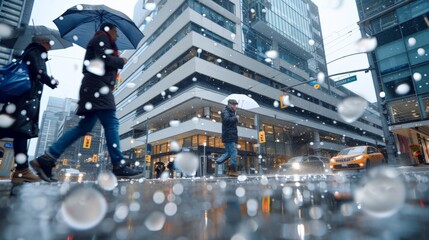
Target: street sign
pixel 345 81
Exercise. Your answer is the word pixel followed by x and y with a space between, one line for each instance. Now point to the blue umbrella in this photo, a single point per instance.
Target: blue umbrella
pixel 79 24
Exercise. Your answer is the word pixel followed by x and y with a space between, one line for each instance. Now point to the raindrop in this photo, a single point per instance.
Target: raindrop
pixel 114 145
pixel 163 93
pixel 75 38
pixel 104 90
pixel 52 42
pixel 5 30
pixel 121 212
pixel 311 143
pixel 173 89
pixel 402 89
pixel 44 55
pixel 10 108
pixel 252 10
pixel 232 36
pixel 382 94
pixel 175 146
pixel 158 75
pixel 335 4
pixel 88 106
pixel 286 100
pixel 366 44
pixel 170 209
pixel 417 76
pixel 187 162
pixel 106 28
pixel 218 60
pixel 178 188
pixel 320 78
pixel 242 178
pixel 194 79
pixel 79 7
pixel 83 208
pixel 382 193
pixel 252 207
pixel 311 42
pixel 268 60
pixel 130 85
pixel 96 94
pixel 421 52
pixel 273 54
pixel 148 19
pixel 24 112
pixel 316 212
pixel 238 145
pixel 150 5
pixel 107 181
pixel 352 108
pixel 195 120
pixel 174 123
pixel 155 221
pixel 158 197
pixel 411 41
pixel 148 107
pixel 101 43
pixel 276 103
pixel 96 67
pixel 240 192
pixel 109 51
pixel 20 158
pixel 61 18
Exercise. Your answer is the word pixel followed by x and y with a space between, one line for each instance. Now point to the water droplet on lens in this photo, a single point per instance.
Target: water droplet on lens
pixel 130 85
pixel 421 52
pixel 83 208
pixel 352 108
pixel 96 67
pixel 155 221
pixel 187 162
pixel 148 108
pixel 402 89
pixel 417 76
pixel 273 54
pixel 20 158
pixel 411 41
pixel 367 44
pixel 174 123
pixel 175 146
pixel 107 181
pixel 382 193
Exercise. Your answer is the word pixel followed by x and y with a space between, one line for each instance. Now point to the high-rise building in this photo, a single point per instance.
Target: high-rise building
pixel 196 53
pixel 51 118
pixel 15 13
pixel 401 75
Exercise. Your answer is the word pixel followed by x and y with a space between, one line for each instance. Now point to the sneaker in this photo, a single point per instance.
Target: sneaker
pixel 122 171
pixel 24 175
pixel 43 166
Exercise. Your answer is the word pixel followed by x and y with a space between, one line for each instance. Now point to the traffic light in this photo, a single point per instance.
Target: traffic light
pixel 314 84
pixel 94 158
pixel 64 161
pixel 261 137
pixel 266 202
pixel 87 141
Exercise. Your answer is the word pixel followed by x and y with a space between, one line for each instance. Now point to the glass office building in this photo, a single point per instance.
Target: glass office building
pixel 402 68
pixel 196 53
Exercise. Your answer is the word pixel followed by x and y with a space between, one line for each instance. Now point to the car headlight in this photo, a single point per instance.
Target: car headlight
pixel 67 174
pixel 359 157
pixel 296 165
pixel 332 160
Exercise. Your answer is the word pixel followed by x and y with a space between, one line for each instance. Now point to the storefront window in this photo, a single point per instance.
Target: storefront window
pixel 405 110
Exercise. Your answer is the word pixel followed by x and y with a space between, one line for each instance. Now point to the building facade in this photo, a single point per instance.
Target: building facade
pixel 15 13
pixel 196 53
pixel 401 62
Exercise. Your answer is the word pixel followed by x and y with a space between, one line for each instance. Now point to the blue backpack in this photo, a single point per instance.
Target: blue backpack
pixel 14 80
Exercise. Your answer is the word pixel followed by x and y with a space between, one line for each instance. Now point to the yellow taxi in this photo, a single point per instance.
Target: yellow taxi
pixel 356 158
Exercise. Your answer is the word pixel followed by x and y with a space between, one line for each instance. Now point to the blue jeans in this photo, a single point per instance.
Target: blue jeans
pixel 231 153
pixel 110 124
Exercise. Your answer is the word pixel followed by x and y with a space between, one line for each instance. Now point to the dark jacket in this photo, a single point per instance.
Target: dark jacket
pixel 93 94
pixel 27 105
pixel 229 125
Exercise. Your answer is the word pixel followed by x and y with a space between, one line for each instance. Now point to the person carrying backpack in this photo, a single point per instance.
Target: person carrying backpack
pixel 23 110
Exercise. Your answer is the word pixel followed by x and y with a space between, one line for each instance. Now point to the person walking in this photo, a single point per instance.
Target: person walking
pixel 171 168
pixel 230 136
pixel 96 101
pixel 24 109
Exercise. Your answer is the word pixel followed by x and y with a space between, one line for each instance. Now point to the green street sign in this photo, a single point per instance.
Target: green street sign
pixel 345 80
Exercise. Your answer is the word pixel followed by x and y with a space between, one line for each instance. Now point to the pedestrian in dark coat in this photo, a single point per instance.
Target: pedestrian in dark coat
pixel 230 136
pixel 96 102
pixel 24 109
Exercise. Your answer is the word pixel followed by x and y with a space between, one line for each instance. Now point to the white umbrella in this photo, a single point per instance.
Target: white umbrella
pixel 244 101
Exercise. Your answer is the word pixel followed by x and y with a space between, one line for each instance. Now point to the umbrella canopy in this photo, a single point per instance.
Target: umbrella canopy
pixel 244 101
pixel 21 37
pixel 79 24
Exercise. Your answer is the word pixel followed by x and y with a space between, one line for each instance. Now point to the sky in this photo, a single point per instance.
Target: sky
pixel 340 32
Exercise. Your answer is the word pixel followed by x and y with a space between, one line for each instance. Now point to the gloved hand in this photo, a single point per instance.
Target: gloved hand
pixel 53 83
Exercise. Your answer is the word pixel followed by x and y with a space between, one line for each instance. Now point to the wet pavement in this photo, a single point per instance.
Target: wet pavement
pixel 388 203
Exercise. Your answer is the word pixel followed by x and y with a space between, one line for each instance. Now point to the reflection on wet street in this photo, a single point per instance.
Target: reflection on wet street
pixel 384 204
